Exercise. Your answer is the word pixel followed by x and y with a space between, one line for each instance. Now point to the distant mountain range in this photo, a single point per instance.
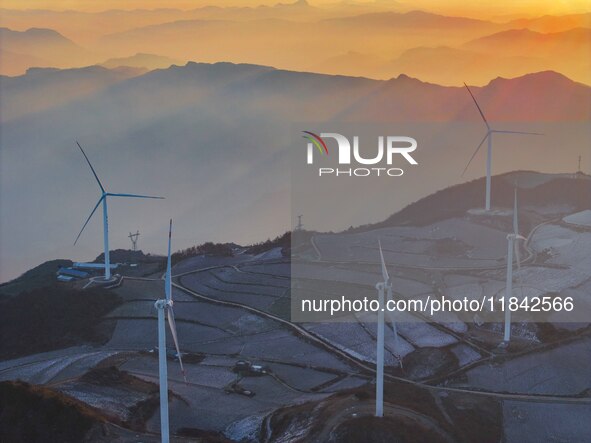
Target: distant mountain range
pixel 543 96
pixel 313 40
pixel 551 23
pixel 39 47
pixel 375 40
pixel 141 60
pixel 516 42
pixel 414 20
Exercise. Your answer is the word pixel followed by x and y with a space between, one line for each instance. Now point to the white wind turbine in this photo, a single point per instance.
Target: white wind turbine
pixel 103 200
pixel 384 288
pixel 163 305
pixel 489 133
pixel 512 245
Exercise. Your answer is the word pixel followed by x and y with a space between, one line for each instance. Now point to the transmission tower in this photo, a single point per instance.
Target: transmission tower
pixel 133 238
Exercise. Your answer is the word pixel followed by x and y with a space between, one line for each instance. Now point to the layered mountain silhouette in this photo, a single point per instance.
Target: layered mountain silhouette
pixel 297 44
pixel 38 47
pixel 524 41
pixel 547 96
pixel 551 23
pixel 141 60
pixel 446 65
pixel 376 40
pixel 414 19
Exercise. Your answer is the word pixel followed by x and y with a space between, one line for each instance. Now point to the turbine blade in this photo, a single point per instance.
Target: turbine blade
pixel 384 269
pixel 517 253
pixel 89 217
pixel 168 277
pixel 516 132
pixel 515 215
pixel 172 324
pixel 475 152
pixel 91 168
pixel 476 103
pixel 133 195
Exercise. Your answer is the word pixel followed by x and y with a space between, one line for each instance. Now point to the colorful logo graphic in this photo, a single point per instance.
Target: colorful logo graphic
pixel 317 141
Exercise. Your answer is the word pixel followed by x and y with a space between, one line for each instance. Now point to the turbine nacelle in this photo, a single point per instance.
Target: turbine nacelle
pixel 382 285
pixel 163 304
pixel 515 237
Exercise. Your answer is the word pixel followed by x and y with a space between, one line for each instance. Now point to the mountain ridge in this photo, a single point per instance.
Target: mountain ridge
pixel 257 79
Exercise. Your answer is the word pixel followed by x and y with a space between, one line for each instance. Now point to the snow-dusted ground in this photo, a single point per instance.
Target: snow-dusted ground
pixel 118 401
pixel 582 218
pixel 565 370
pixel 246 429
pixel 538 422
pixel 272 254
pixel 476 245
pixel 465 354
pixel 565 246
pixel 424 334
pixel 53 367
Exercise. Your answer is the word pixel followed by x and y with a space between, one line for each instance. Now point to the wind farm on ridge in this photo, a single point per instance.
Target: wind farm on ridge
pixel 197 331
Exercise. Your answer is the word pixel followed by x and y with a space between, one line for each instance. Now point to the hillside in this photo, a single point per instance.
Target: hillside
pixel 28 328
pixel 36 414
pixel 46 88
pixel 37 277
pixel 535 190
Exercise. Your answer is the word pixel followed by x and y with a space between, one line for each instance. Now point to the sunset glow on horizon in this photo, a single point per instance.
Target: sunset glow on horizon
pixel 437 42
pixel 489 10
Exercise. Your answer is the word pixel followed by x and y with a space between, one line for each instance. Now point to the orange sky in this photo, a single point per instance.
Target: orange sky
pixel 480 8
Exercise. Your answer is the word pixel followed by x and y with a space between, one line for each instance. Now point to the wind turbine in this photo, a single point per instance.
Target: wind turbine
pixel 103 200
pixel 163 305
pixel 384 288
pixel 488 136
pixel 512 245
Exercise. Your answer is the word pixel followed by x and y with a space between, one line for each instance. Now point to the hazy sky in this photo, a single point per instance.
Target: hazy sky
pixel 482 8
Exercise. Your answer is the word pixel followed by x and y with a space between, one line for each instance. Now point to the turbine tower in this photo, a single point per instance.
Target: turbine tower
pixel 103 200
pixel 383 288
pixel 133 238
pixel 162 306
pixel 488 136
pixel 512 245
